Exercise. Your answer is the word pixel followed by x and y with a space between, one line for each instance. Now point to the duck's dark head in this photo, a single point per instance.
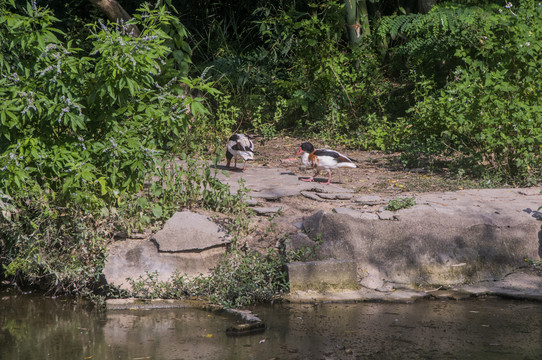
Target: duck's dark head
pixel 305 147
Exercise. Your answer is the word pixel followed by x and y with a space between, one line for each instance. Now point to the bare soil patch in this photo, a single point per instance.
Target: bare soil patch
pixel 378 172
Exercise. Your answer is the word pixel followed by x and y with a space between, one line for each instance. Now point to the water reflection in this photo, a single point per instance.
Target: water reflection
pixel 34 327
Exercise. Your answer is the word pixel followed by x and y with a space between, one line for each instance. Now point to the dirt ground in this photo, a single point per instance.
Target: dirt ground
pixel 377 173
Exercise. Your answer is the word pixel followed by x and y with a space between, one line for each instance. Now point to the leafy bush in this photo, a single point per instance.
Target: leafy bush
pixel 302 75
pixel 427 42
pixel 487 119
pixel 57 248
pixel 87 141
pixel 240 279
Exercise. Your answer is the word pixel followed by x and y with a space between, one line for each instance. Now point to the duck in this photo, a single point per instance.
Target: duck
pixel 323 159
pixel 239 145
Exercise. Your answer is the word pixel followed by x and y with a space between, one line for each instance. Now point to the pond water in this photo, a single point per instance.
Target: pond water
pixel 36 327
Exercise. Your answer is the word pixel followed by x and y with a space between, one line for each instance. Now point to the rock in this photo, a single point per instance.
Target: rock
pixel 252 202
pixel 322 275
pixel 273 183
pixel 357 214
pixel 267 211
pixel 396 296
pixel 370 200
pixel 188 231
pixel 455 238
pixel 245 315
pixel 347 211
pixel 386 215
pixel 299 241
pixel 339 196
pixel 311 195
pixel 369 216
pixel 245 329
pixel 189 244
pixel 521 284
pixel 137 258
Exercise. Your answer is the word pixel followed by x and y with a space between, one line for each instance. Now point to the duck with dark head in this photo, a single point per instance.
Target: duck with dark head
pixel 323 159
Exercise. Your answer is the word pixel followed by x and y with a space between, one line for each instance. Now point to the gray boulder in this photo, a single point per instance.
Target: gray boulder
pixel 447 239
pixel 188 231
pixel 189 244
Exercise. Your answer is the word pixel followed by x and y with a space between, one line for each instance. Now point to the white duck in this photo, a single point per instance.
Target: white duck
pixel 323 159
pixel 239 145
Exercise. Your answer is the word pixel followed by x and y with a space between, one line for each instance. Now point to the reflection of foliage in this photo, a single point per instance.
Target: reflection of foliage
pixel 48 321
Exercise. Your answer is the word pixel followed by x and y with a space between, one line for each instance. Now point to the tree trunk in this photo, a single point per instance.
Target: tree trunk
pixel 425 5
pixel 357 20
pixel 115 13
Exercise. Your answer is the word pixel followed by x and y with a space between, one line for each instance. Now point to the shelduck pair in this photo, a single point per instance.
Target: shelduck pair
pixel 241 146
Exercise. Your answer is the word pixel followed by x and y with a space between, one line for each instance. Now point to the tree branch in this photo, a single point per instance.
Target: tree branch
pixel 115 13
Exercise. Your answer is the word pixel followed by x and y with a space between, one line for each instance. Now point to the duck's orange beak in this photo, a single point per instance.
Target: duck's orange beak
pixel 299 152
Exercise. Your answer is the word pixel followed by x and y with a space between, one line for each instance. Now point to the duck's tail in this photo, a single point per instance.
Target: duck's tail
pixel 347 164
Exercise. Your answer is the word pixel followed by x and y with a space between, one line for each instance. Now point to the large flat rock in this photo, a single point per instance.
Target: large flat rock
pixel 135 259
pixel 323 275
pixel 188 231
pixel 273 183
pixel 189 244
pixel 446 239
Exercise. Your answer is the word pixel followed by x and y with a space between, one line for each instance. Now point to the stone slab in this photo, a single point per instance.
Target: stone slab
pixel 447 239
pixel 137 258
pixel 274 183
pixel 322 275
pixel 187 231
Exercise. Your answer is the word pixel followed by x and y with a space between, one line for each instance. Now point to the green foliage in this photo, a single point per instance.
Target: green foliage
pixel 400 203
pixel 488 118
pixel 427 42
pixel 245 278
pixel 96 125
pixel 58 248
pixel 535 265
pixel 87 122
pixel 240 279
pixel 301 74
pixel 87 138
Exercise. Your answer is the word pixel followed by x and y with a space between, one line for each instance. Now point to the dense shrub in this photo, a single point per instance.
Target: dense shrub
pixel 486 118
pixel 302 75
pixel 83 131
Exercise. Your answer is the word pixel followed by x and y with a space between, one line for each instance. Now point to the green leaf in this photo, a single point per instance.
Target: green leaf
pixel 157 211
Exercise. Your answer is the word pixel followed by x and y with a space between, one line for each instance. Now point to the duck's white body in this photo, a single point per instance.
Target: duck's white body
pixel 323 159
pixel 239 145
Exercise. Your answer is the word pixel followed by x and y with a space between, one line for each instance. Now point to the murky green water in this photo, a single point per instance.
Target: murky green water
pixel 34 327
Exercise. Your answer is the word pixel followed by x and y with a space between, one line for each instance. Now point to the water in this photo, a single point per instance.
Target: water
pixel 35 327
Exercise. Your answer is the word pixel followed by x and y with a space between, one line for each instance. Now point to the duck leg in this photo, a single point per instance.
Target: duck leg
pixel 312 177
pixel 228 159
pixel 328 177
